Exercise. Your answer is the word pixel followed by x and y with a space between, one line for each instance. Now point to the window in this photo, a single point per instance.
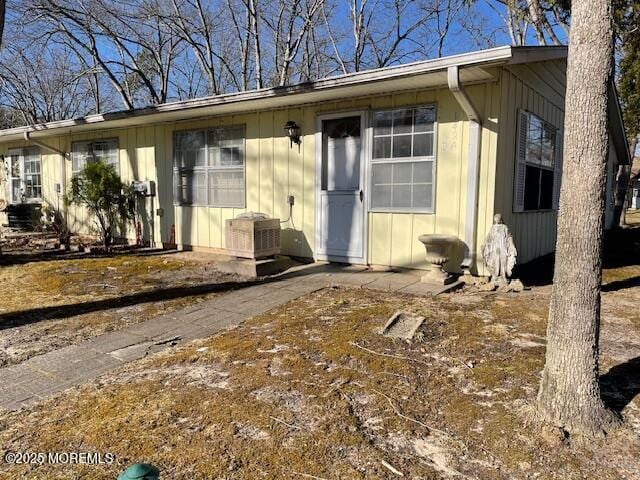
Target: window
pixel 15 171
pixel 94 151
pixel 403 163
pixel 209 167
pixel 32 176
pixel 24 175
pixel 538 164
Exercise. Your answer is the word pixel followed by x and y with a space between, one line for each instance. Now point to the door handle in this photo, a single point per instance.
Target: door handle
pixel 361 196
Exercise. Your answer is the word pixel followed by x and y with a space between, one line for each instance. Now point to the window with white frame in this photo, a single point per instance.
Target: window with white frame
pixel 84 152
pixel 538 164
pixel 25 177
pixel 32 174
pixel 209 167
pixel 403 159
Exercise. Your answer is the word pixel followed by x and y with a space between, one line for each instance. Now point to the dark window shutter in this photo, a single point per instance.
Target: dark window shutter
pixel 520 165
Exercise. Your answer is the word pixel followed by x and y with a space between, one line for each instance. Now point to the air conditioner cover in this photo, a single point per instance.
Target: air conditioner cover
pixel 253 236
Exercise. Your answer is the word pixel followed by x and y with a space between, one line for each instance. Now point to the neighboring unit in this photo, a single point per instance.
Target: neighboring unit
pixel 367 162
pixel 633 193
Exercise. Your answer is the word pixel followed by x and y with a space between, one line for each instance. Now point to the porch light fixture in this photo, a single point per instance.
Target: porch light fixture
pixel 293 132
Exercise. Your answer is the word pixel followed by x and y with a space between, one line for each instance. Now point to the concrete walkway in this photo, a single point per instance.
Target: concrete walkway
pixel 47 374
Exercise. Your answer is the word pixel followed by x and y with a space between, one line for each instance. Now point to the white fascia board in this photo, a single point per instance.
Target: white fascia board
pixel 293 93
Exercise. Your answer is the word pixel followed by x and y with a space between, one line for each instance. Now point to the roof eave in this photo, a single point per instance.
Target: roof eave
pixel 484 58
pixel 616 127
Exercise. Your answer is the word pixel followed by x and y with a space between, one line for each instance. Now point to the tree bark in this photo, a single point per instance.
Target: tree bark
pixel 569 394
pixel 257 52
pixel 536 14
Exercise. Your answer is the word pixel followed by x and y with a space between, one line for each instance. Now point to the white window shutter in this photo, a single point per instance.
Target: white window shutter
pixel 557 170
pixel 520 166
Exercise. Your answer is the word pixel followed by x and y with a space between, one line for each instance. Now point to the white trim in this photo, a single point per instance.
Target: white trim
pixel 20 153
pixel 490 57
pixel 616 126
pixel 207 168
pixel 63 168
pixel 524 122
pixel 473 164
pixel 429 158
pixel 364 179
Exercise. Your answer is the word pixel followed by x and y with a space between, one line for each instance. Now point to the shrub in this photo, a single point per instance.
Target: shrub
pixel 53 221
pixel 98 188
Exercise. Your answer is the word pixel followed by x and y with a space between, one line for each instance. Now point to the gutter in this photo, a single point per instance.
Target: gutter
pixel 482 58
pixel 63 167
pixel 27 136
pixel 473 163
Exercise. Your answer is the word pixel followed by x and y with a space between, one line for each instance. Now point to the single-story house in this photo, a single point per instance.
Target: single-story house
pixel 436 146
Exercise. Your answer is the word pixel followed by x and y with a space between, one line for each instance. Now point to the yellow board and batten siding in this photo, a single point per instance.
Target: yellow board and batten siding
pixel 538 88
pixel 393 237
pixel 275 170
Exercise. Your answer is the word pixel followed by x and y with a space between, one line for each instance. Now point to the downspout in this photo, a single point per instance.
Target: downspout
pixel 63 167
pixel 473 163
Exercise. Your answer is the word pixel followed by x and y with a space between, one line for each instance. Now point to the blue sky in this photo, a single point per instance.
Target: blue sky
pixel 493 27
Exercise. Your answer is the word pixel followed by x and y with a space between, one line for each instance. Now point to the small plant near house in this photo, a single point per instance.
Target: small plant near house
pixel 53 221
pixel 98 187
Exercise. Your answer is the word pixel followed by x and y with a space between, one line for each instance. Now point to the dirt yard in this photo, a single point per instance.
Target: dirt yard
pixel 313 391
pixel 51 301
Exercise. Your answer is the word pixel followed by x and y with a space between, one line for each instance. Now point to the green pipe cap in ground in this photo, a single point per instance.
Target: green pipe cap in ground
pixel 140 471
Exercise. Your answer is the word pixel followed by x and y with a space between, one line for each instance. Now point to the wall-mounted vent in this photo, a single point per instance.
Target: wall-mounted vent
pixel 253 235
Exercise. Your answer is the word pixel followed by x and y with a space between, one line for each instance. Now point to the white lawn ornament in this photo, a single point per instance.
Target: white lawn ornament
pixel 499 252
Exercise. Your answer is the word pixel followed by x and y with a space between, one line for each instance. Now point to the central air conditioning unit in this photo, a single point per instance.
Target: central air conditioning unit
pixel 252 235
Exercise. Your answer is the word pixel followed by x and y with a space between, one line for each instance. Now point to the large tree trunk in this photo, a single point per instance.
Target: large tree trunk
pixel 569 392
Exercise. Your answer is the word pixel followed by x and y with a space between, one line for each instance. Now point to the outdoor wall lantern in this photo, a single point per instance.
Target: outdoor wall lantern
pixel 293 132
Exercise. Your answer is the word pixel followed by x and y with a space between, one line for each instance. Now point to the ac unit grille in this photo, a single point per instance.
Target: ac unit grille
pixel 252 238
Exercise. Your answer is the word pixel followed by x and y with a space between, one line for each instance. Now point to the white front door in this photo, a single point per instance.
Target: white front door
pixel 341 214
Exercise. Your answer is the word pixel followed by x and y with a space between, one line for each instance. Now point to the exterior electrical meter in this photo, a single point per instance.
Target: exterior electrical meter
pixel 146 188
